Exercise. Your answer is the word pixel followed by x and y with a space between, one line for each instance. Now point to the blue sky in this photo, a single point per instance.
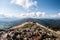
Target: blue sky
pixel 29 8
pixel 49 6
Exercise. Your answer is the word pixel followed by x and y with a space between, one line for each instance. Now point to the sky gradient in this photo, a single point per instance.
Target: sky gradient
pixel 29 8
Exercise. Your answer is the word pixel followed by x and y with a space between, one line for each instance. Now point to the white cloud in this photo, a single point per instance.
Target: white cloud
pixel 23 15
pixel 58 14
pixel 29 15
pixel 32 15
pixel 24 3
pixel 40 14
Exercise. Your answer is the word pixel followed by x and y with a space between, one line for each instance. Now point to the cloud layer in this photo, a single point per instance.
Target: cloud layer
pixel 29 15
pixel 26 4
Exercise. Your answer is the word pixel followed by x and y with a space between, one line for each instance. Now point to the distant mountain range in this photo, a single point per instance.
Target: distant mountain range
pixel 51 23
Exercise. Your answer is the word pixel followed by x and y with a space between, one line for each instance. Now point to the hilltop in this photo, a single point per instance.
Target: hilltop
pixel 51 23
pixel 32 24
pixel 30 31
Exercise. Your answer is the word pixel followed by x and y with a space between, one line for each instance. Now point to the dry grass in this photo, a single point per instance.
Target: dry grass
pixel 26 24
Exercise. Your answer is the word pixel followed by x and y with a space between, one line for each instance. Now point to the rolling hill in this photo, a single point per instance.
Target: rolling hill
pixel 51 23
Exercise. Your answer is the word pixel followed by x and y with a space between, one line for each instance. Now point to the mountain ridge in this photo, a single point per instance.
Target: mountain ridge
pixel 36 24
